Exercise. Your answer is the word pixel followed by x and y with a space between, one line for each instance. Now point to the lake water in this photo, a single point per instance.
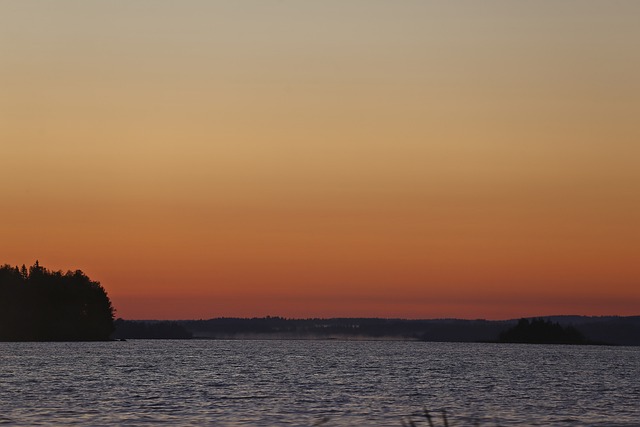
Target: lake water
pixel 306 383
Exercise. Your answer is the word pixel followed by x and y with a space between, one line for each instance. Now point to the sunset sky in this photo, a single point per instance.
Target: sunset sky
pixel 352 158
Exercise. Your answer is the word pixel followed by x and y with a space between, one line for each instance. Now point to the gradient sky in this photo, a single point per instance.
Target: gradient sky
pixel 329 158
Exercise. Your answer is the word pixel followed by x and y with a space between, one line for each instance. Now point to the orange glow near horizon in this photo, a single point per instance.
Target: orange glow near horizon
pixel 367 159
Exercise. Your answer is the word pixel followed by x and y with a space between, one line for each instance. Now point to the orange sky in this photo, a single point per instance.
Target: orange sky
pixel 363 158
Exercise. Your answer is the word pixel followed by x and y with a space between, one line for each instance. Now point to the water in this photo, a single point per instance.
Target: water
pixel 305 383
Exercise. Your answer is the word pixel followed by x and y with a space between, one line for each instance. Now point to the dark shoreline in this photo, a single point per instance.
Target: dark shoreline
pixel 606 330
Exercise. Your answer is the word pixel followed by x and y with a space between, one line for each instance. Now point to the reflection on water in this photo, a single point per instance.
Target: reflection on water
pixel 270 383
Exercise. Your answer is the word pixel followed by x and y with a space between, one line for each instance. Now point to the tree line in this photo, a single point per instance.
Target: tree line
pixel 37 304
pixel 542 331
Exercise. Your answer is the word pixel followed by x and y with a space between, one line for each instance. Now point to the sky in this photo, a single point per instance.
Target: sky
pixel 358 158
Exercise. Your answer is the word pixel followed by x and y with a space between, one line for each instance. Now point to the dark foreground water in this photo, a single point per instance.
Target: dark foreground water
pixel 305 383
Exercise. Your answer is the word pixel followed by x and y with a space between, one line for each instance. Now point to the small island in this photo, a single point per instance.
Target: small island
pixel 541 331
pixel 37 304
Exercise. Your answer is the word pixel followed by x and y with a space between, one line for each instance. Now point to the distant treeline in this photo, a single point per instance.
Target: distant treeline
pixel 541 331
pixel 557 329
pixel 609 329
pixel 138 329
pixel 41 305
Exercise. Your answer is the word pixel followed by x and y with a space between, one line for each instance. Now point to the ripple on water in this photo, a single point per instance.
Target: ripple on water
pixel 332 383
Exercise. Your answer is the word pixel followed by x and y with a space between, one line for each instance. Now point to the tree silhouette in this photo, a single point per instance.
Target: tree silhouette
pixel 42 305
pixel 540 331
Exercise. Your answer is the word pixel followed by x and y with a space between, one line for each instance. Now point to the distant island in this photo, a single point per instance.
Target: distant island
pixel 41 305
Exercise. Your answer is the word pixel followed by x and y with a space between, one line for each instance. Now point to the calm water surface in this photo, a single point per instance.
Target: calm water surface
pixel 305 383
